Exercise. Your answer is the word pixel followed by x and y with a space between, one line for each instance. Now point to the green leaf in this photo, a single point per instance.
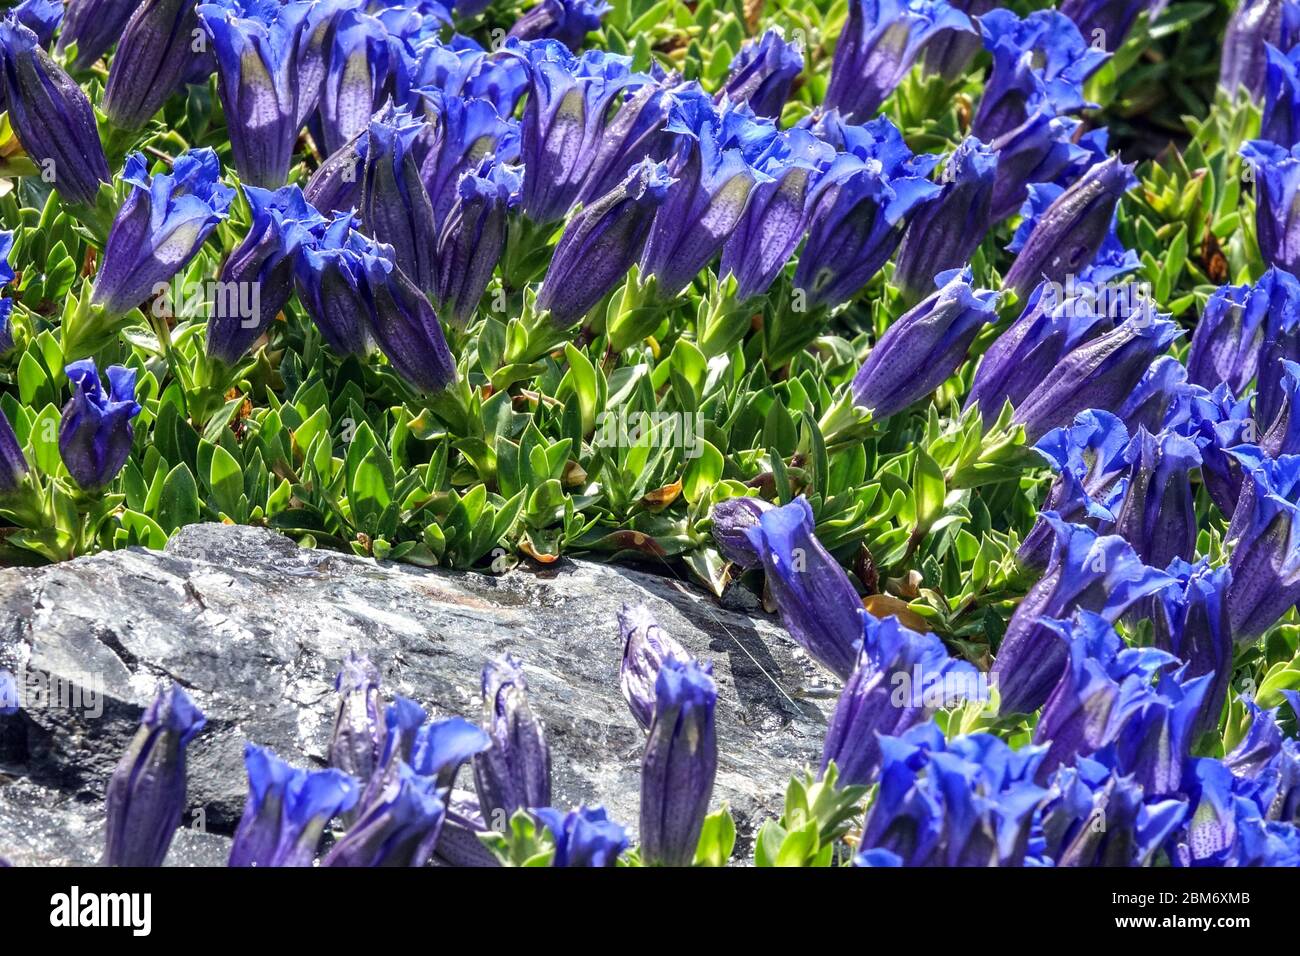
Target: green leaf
pixel 179 503
pixel 717 839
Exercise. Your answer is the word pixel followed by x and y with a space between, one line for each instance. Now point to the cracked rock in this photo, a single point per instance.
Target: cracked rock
pixel 254 628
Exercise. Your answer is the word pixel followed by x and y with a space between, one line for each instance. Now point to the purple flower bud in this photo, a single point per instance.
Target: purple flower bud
pixel 95 434
pixel 776 216
pixel 860 208
pixel 1038 61
pixel 721 155
pixel 404 326
pixel 257 279
pixel 568 21
pixel 287 810
pixel 1276 171
pixel 880 42
pixel 473 238
pixel 920 350
pixel 13 464
pixel 1098 374
pixel 1156 513
pixel 50 115
pixel 514 772
pixel 902 677
pixel 945 233
pixel 950 51
pixel 1230 335
pixel 601 243
pixel 584 837
pixel 1038 150
pixel 1283 435
pixel 1088 458
pixel 732 517
pixel 94 25
pixel 1069 233
pixel 330 279
pixel 399 827
pixel 1254 25
pixel 763 72
pixel 395 208
pixel 257 47
pixel 335 187
pixel 565 118
pixel 1190 621
pixel 152 59
pixel 162 225
pixel 355 744
pixel 817 602
pixel 1264 541
pixel 645 648
pixel 680 762
pixel 1088 572
pixel 146 793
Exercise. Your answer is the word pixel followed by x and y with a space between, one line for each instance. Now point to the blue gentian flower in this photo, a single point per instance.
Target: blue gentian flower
pixel 1277 224
pixel 1156 512
pixel 6 305
pixel 357 738
pixel 722 154
pixel 1283 435
pixel 473 237
pixel 1070 232
pixel 1038 150
pixel 879 43
pixel 462 68
pixel 584 837
pixel 1097 817
pixel 153 58
pixel 257 45
pixel 1219 421
pixel 945 233
pixel 465 132
pixel 165 220
pixel 1266 764
pixel 860 208
pixel 638 130
pixel 282 223
pixel 950 51
pixel 645 648
pixel 1264 542
pixel 287 810
pixel 680 762
pixel 1155 395
pixel 763 73
pixel 1094 573
pixel 902 677
pixel 395 207
pixel 94 25
pixel 9 699
pixel 95 434
pixel 969 801
pixel 1226 828
pixel 1088 457
pixel 1281 121
pixel 335 187
pixel 1254 25
pixel 360 64
pixel 145 797
pixel 601 243
pixel 330 277
pixel 921 349
pixel 1097 374
pixel 399 827
pixel 1281 340
pixel 565 118
pixel 50 115
pixel 514 772
pixel 817 602
pixel 42 17
pixel 442 747
pixel 732 517
pixel 568 21
pixel 1190 620
pixel 1236 323
pixel 1154 744
pixel 1041 59
pixel 776 216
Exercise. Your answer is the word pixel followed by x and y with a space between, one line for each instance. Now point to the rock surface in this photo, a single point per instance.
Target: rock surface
pixel 255 627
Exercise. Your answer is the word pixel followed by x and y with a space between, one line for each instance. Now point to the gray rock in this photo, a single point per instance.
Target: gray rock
pixel 255 627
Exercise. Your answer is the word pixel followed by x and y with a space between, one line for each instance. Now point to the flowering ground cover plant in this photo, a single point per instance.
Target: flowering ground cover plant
pixel 968 336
